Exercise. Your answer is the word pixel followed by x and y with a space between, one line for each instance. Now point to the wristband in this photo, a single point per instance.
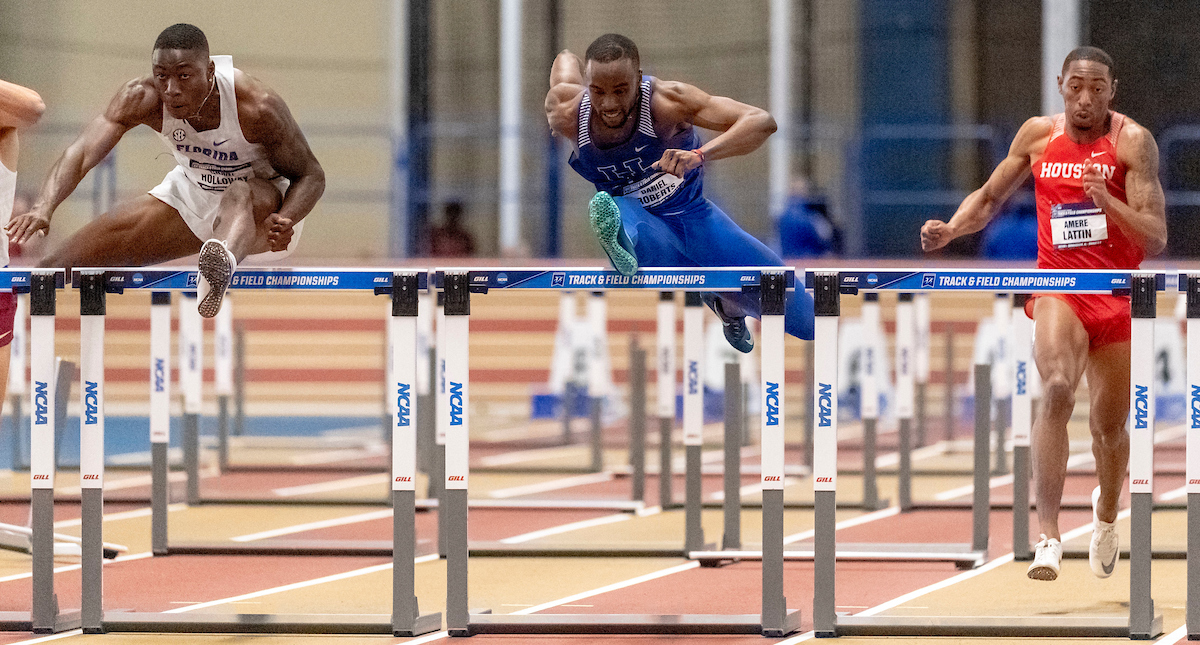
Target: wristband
pixel 701 153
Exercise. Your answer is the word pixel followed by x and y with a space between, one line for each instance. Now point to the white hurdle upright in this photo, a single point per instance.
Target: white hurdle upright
pixel 403 286
pixel 1142 622
pixel 223 378
pixel 1190 283
pixel 1021 348
pixel 666 373
pixel 774 620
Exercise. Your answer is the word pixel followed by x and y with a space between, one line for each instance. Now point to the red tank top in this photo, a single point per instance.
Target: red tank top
pixel 1071 230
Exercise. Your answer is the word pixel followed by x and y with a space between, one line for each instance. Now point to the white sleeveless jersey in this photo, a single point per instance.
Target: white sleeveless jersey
pixel 213 159
pixel 8 195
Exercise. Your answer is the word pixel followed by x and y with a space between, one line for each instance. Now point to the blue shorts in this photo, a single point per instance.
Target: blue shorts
pixel 703 236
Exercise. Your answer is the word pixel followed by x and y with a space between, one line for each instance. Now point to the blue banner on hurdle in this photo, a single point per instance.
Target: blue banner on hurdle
pixel 986 280
pixel 587 279
pixel 379 280
pixel 18 280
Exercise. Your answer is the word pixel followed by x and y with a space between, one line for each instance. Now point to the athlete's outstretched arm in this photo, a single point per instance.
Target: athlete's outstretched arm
pixel 982 205
pixel 132 105
pixel 743 127
pixel 288 152
pixel 20 107
pixel 566 88
pixel 1144 217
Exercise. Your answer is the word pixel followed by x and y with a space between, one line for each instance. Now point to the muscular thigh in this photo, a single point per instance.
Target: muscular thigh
pixel 713 239
pixel 1060 346
pixel 1108 385
pixel 138 232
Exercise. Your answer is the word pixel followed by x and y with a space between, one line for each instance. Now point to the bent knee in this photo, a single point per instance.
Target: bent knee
pixel 1058 391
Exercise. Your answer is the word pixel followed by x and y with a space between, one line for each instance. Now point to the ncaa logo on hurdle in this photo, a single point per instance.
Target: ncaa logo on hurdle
pixel 558 279
pixel 928 280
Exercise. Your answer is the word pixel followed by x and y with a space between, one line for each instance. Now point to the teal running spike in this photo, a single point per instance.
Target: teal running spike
pixel 606 223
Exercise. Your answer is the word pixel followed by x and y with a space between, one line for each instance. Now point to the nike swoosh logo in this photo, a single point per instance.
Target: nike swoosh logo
pixel 1097 154
pixel 218 143
pixel 1108 568
pixel 641 148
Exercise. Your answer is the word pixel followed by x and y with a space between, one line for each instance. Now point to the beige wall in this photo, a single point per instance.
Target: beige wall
pixel 328 61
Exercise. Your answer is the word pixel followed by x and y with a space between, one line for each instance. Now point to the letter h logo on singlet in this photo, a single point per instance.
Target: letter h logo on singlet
pixel 633 168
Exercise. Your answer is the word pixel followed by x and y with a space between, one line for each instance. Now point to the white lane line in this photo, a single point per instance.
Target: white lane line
pixel 567 528
pixel 47 639
pixel 1174 637
pixel 612 587
pixel 122 515
pixel 893 458
pixel 311 526
pixel 554 484
pixel 845 524
pixel 962 491
pixel 298 585
pixel 337 484
pixel 75 567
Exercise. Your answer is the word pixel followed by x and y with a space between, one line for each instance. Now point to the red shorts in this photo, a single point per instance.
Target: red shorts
pixel 1104 317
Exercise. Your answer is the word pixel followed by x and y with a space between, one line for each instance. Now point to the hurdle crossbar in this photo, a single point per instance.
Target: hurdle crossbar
pixel 1142 622
pixel 457 285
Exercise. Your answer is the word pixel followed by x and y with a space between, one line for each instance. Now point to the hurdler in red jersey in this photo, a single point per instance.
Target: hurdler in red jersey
pixel 1100 206
pixel 1073 233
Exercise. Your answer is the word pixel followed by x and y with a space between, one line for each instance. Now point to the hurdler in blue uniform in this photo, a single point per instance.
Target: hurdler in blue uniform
pixel 634 139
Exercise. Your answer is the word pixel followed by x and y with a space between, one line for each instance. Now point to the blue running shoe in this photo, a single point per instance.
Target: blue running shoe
pixel 606 223
pixel 736 330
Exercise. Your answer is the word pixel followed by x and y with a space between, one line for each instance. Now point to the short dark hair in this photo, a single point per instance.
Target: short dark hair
pixel 1094 54
pixel 182 36
pixel 611 47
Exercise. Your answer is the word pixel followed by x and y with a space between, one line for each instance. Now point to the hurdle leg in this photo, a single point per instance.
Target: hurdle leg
pixel 1022 424
pixel 568 404
pixel 981 502
pixel 453 510
pixel 1003 413
pixel 665 427
pixel 905 385
pixel 735 418
pixel 402 328
pixel 1143 623
pixel 869 402
pixel 595 414
pixel 693 417
pixel 160 417
pixel 637 420
pixel 91 449
pixel 191 332
pixel 19 462
pixel 948 410
pixel 827 308
pixel 239 380
pixel 44 615
pixel 1193 458
pixel 223 433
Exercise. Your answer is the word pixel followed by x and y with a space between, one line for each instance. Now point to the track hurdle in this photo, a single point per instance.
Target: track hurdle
pixel 403 288
pixel 1142 621
pixel 457 284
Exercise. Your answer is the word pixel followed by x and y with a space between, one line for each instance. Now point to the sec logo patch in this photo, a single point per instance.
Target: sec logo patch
pixel 178 134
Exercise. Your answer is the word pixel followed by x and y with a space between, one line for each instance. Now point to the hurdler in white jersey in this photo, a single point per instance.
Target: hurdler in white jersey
pixel 244 182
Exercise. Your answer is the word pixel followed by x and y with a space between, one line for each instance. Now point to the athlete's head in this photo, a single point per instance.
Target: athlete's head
pixel 183 74
pixel 613 72
pixel 1087 85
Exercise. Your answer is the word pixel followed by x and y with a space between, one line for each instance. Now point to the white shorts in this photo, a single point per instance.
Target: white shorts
pixel 198 208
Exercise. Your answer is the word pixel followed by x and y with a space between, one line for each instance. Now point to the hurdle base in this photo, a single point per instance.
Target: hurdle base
pixel 993 626
pixel 960 554
pixel 503 550
pixel 249 623
pixel 364 548
pixel 628 624
pixel 620 505
pixel 423 624
pixel 22 621
pixel 290 501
